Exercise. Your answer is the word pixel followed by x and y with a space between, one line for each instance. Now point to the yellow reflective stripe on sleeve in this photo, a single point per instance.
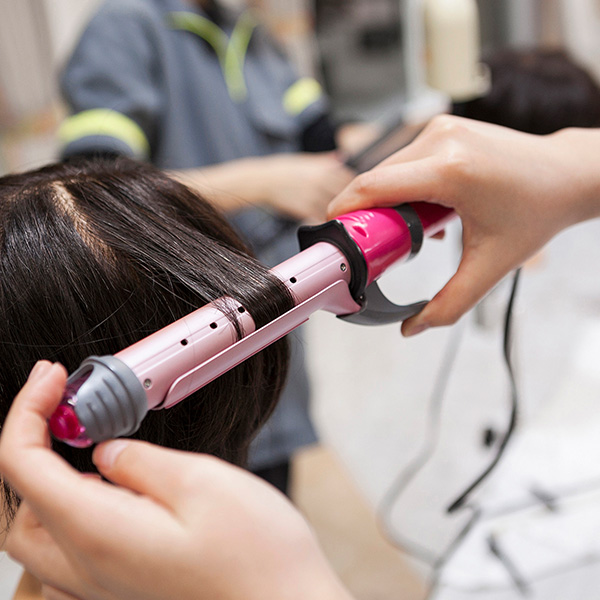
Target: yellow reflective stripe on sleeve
pixel 103 121
pixel 301 95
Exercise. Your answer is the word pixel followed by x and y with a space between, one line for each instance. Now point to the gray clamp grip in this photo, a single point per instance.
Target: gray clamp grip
pixel 110 400
pixel 376 308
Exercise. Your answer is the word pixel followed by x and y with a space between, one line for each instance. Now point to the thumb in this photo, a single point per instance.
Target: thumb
pixel 144 468
pixel 389 185
pixel 479 271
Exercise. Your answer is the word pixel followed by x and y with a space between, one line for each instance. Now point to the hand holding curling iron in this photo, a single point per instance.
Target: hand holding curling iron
pixel 513 192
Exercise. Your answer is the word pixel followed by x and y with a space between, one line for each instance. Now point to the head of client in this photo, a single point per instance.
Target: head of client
pixel 536 90
pixel 96 255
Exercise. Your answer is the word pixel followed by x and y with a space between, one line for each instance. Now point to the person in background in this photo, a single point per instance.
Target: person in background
pixel 201 90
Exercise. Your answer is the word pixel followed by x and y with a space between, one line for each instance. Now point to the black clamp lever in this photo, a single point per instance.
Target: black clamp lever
pixel 376 308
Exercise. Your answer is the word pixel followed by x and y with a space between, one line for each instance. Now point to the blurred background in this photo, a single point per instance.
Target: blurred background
pixel 356 48
pixel 406 425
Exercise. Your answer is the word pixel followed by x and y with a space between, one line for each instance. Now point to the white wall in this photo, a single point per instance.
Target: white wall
pixel 35 36
pixel 581 19
pixel 65 19
pixel 25 79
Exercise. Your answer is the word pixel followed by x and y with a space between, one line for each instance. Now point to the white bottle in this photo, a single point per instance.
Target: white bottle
pixel 453 49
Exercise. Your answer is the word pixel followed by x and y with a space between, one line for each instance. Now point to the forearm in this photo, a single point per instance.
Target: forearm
pixel 296 185
pixel 229 186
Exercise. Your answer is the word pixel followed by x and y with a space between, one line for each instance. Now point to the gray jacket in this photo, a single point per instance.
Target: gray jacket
pixel 159 81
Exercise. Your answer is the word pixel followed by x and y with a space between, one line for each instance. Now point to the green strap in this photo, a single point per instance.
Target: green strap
pixel 231 52
pixel 301 94
pixel 103 121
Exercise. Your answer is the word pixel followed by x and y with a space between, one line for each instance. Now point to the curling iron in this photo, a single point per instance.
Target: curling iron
pixel 336 271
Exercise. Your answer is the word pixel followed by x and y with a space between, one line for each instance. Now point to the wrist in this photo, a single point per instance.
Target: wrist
pixel 321 584
pixel 579 154
pixel 304 571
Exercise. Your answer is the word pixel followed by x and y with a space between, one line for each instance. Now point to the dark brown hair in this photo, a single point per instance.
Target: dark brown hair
pixel 95 255
pixel 537 91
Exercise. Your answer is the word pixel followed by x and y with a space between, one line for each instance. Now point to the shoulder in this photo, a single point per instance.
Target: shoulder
pixel 119 28
pixel 129 9
pixel 116 18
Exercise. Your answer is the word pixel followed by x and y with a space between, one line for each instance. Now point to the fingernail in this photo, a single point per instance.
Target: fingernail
pixel 415 330
pixel 106 455
pixel 40 368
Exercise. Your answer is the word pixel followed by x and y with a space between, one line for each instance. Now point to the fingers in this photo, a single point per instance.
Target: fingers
pixel 63 499
pixel 421 168
pixel 146 469
pixel 389 185
pixel 50 593
pixel 38 474
pixel 171 478
pixel 477 274
pixel 31 545
pixel 25 437
pixel 75 554
pixel 34 404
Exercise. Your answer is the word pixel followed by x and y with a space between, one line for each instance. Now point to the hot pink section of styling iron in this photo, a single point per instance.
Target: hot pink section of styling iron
pixel 336 271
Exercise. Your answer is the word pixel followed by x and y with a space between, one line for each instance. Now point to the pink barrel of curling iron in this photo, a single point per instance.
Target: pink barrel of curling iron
pixel 336 271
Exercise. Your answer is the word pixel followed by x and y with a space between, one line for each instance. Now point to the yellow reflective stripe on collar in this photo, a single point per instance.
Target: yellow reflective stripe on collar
pixel 236 56
pixel 231 52
pixel 300 95
pixel 202 27
pixel 104 121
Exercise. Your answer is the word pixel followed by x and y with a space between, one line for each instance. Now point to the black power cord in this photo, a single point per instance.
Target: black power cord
pixel 514 399
pixel 404 478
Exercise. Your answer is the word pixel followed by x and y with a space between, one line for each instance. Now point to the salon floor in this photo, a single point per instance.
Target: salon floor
pixel 393 445
pixel 348 532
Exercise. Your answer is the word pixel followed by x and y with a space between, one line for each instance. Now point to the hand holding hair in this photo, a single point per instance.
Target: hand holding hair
pixel 513 192
pixel 297 185
pixel 174 523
